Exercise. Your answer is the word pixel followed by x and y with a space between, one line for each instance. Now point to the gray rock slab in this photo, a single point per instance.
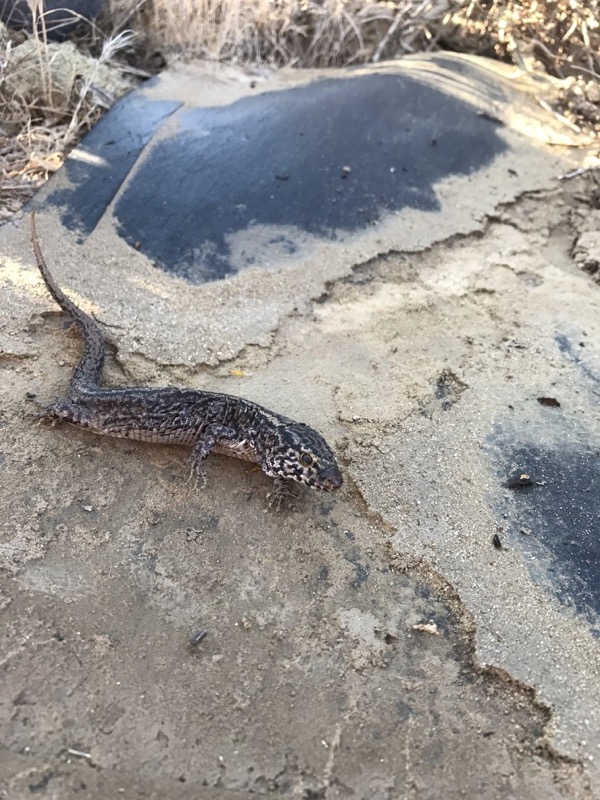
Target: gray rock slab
pixel 212 172
pixel 420 345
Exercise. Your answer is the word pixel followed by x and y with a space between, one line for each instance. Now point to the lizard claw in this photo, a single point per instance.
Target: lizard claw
pixel 197 476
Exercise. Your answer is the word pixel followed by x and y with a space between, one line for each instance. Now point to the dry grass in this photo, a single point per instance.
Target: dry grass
pixel 68 89
pixel 286 32
pixel 562 35
pixel 50 95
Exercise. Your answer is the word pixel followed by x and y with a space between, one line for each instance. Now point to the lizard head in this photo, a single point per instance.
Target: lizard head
pixel 297 452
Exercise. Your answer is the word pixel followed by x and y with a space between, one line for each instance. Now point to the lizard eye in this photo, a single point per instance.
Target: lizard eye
pixel 306 460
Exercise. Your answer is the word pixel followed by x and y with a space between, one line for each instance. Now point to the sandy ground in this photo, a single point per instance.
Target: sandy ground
pixel 311 681
pixel 422 369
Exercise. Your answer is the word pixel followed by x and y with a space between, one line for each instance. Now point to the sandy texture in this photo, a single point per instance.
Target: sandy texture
pixel 311 681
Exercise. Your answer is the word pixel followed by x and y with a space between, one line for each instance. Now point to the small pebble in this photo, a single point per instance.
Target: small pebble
pixel 197 637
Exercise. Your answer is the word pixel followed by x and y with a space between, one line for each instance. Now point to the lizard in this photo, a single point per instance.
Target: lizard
pixel 209 422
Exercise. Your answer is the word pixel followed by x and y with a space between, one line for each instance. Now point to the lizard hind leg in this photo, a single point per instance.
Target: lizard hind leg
pixel 69 412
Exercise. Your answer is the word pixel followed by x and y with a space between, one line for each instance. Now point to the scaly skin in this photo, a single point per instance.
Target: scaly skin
pixel 207 421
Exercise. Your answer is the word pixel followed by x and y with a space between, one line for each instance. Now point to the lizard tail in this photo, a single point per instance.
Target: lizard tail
pixel 87 374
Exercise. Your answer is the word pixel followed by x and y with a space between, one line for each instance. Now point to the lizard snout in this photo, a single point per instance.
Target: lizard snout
pixel 330 479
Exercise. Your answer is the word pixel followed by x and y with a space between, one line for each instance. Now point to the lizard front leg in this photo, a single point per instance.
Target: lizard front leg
pixel 202 449
pixel 282 494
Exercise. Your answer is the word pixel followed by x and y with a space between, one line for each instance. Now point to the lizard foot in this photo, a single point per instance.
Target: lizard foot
pixel 282 495
pixel 39 412
pixel 197 475
pixel 62 409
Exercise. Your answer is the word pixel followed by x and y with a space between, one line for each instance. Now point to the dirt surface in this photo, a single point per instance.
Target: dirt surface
pixel 311 681
pixel 423 370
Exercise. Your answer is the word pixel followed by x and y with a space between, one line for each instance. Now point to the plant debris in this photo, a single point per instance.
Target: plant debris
pixel 520 481
pixel 50 95
pixel 427 627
